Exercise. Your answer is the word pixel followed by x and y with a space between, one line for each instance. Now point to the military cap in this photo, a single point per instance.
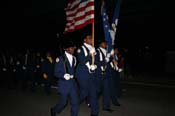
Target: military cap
pixel 68 44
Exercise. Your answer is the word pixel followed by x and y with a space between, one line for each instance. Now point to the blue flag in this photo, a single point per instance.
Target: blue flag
pixel 106 27
pixel 115 21
pixel 110 32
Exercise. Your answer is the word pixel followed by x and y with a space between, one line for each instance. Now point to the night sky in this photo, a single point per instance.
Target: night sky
pixel 34 23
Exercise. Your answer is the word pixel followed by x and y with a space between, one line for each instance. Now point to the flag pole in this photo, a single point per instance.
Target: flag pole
pixel 93 25
pixel 93 57
pixel 93 34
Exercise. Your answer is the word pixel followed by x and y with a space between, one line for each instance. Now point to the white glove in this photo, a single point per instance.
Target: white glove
pixel 24 68
pixel 14 70
pixel 116 67
pixel 71 76
pixel 67 76
pixel 120 70
pixel 112 52
pixel 42 60
pixel 93 67
pixel 107 59
pixel 17 63
pixel 37 66
pixel 88 65
pixel 108 55
pixel 92 51
pixel 4 69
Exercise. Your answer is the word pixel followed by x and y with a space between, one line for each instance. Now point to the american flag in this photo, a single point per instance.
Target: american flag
pixel 79 13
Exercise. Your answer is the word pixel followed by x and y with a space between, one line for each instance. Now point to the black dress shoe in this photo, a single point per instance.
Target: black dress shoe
pixel 108 110
pixel 52 112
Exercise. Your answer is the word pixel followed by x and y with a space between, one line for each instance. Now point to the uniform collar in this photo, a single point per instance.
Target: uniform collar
pixel 88 46
pixel 103 50
pixel 70 57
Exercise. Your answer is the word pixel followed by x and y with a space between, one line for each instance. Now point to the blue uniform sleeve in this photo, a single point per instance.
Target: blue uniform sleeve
pixel 82 59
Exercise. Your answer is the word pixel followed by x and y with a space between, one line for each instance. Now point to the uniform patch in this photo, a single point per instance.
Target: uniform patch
pixel 57 60
pixel 78 51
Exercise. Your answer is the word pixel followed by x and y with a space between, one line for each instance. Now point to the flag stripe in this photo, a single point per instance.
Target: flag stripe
pixel 79 14
pixel 71 29
pixel 89 17
pixel 81 7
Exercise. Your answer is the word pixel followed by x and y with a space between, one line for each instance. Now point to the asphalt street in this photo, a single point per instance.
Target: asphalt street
pixel 136 100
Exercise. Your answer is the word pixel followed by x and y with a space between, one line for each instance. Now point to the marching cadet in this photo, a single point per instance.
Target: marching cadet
pixel 24 79
pixel 38 62
pixel 48 72
pixel 86 74
pixel 114 77
pixel 64 71
pixel 19 70
pixel 117 70
pixel 29 71
pixel 4 67
pixel 12 72
pixel 102 72
pixel 7 69
pixel 106 75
